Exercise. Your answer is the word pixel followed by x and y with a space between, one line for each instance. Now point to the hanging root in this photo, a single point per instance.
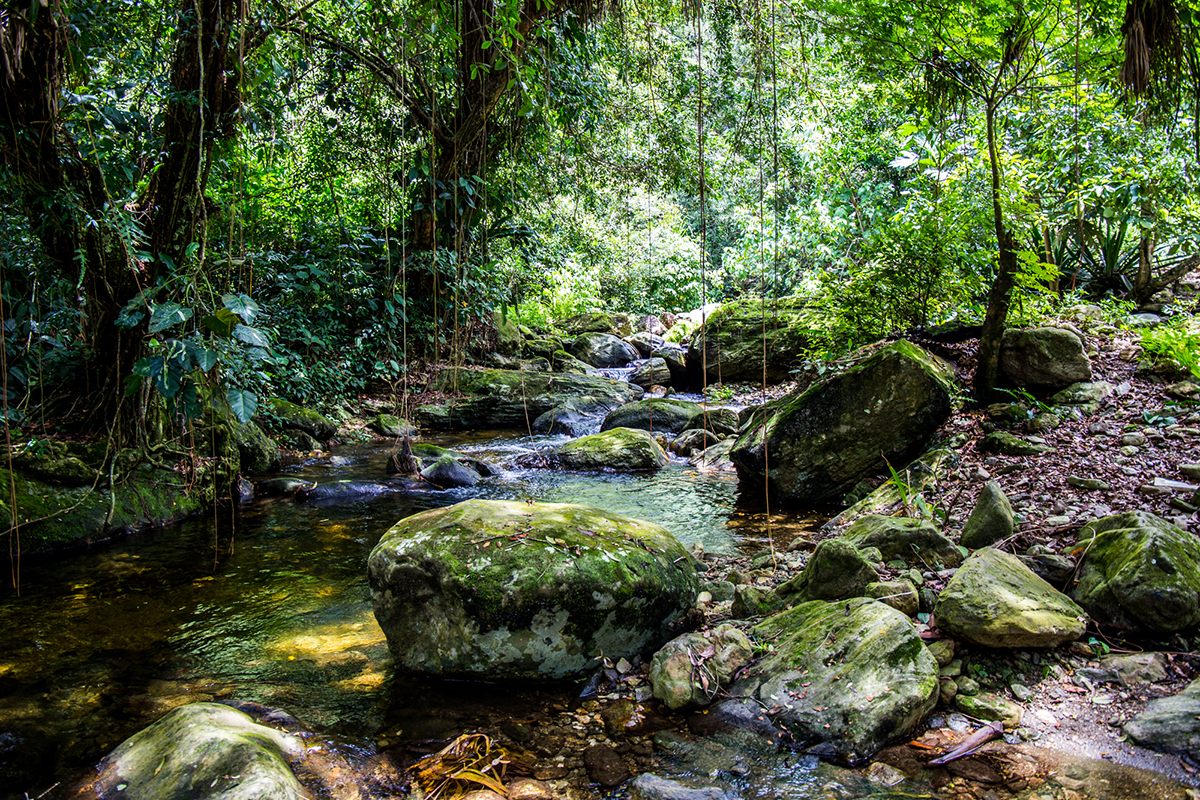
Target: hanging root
pixel 1153 45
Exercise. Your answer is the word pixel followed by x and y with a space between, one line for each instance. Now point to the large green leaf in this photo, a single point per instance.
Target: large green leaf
pixel 243 402
pixel 241 305
pixel 221 322
pixel 250 336
pixel 168 315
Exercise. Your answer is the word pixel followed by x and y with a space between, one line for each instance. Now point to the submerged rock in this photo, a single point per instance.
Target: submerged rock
pixel 502 590
pixel 822 441
pixel 1043 359
pixel 603 350
pixel 498 398
pixel 915 541
pixel 1139 573
pixel 616 449
pixel 730 346
pixel 658 414
pixel 851 674
pixel 693 668
pixel 994 600
pixel 203 750
pixel 1170 724
pixel 991 520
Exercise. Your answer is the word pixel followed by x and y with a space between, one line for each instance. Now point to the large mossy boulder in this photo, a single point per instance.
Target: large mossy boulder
pixel 497 590
pixel 1139 573
pixel 500 398
pixel 852 674
pixel 390 426
pixel 994 600
pixel 291 416
pixel 202 751
pixel 599 322
pixel 836 569
pixel 257 452
pixel 1043 359
pixel 729 346
pixel 651 372
pixel 819 443
pixel 917 542
pixel 616 449
pixel 656 414
pixel 603 350
pixel 1170 724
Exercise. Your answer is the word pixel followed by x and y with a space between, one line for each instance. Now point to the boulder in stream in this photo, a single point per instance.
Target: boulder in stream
pixel 496 590
pixel 291 416
pixel 651 372
pixel 578 416
pixel 1139 573
pixel 820 442
pixel 616 449
pixel 603 350
pixel 731 343
pixel 200 751
pixel 850 675
pixel 449 473
pixel 657 415
pixel 693 668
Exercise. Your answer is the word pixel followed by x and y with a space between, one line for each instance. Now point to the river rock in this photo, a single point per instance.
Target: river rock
pixel 562 361
pixel 653 787
pixel 836 569
pixel 203 750
pixel 692 669
pixel 1009 444
pixel 852 674
pixel 994 600
pixel 391 426
pixel 498 398
pixel 449 473
pixel 900 595
pixel 991 520
pixel 1043 359
pixel 1139 573
pixel 616 449
pixel 651 372
pixel 497 589
pixel 676 359
pixel 730 344
pixel 657 414
pixel 602 350
pixel 645 342
pixel 257 452
pixel 822 441
pixel 914 541
pixel 692 441
pixel 578 416
pixel 296 417
pixel 599 322
pixel 1170 724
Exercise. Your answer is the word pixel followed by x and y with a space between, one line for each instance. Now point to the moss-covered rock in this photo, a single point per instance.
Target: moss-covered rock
pixel 991 520
pixel 692 669
pixel 201 751
pixel 891 496
pixel 599 322
pixel 656 414
pixel 55 517
pixel 507 590
pixel 994 600
pixel 730 344
pixel 651 372
pixel 835 570
pixel 509 338
pixel 900 595
pixel 852 673
pixel 602 350
pixel 1139 573
pixel 1043 359
pixel 1009 444
pixel 915 541
pixel 990 707
pixel 390 426
pixel 562 361
pixel 296 417
pixel 257 452
pixel 822 441
pixel 54 462
pixel 616 449
pixel 498 398
pixel 448 473
pixel 543 347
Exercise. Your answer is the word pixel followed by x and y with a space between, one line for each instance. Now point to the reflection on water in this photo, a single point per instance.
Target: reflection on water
pixel 101 643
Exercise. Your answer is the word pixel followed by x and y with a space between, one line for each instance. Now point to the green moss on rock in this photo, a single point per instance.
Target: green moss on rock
pixel 917 542
pixel 656 414
pixel 730 345
pixel 509 590
pixel 297 417
pixel 617 449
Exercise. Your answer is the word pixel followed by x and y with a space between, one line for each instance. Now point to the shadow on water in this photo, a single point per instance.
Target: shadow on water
pixel 276 610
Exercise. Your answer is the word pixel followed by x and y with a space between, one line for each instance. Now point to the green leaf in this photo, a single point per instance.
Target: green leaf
pixel 221 322
pixel 251 336
pixel 243 402
pixel 168 315
pixel 241 305
pixel 203 357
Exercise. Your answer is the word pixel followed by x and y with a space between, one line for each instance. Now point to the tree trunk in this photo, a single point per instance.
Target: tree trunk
pixel 987 372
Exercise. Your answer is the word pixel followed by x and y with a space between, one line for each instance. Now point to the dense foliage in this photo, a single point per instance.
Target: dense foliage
pixel 258 199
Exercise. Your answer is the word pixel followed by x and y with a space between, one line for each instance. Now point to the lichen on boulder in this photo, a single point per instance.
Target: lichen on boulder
pixel 508 590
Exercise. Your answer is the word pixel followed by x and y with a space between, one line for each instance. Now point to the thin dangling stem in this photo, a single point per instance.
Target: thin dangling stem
pixel 703 220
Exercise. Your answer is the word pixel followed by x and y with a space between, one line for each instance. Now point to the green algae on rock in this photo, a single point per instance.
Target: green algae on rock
pixel 508 590
pixel 852 674
pixel 994 600
pixel 1140 573
pixel 616 449
pixel 201 751
pixel 822 441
